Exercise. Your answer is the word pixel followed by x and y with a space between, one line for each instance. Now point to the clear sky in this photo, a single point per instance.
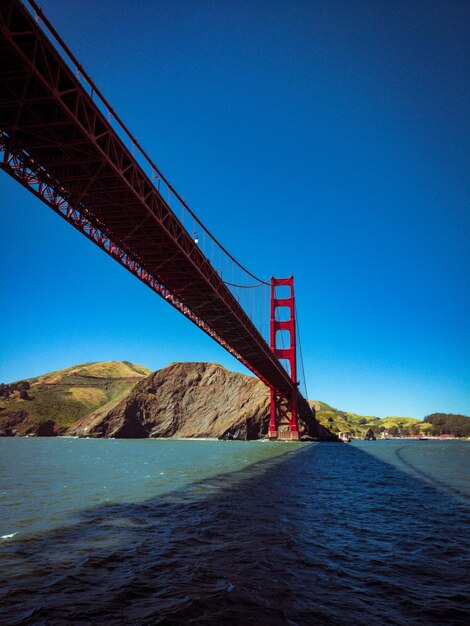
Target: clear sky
pixel 327 139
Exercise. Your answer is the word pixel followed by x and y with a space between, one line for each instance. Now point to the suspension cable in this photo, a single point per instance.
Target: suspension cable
pixel 301 355
pixel 245 286
pixel 135 143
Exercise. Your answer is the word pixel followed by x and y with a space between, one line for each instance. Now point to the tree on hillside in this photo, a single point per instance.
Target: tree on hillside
pixel 425 428
pixel 449 424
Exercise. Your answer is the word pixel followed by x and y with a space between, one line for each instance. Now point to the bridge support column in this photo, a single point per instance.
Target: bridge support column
pixel 283 417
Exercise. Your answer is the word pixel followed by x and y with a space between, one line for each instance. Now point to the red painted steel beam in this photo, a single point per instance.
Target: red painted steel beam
pixel 57 143
pixel 284 407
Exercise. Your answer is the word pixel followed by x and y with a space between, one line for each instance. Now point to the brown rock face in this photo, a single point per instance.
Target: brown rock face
pixel 192 400
pixel 18 423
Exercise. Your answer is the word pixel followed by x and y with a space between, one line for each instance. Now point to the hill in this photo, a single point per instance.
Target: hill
pixel 121 399
pixel 449 424
pixel 345 421
pixel 51 403
pixel 192 400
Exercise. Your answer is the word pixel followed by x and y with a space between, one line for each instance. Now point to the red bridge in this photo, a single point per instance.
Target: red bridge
pixel 61 139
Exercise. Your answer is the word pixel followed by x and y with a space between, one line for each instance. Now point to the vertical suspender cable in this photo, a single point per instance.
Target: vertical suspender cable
pixel 301 355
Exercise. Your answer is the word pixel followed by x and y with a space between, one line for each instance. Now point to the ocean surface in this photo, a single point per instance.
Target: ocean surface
pixel 208 532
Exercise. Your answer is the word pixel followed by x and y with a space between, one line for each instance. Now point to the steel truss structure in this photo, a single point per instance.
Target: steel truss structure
pixel 57 143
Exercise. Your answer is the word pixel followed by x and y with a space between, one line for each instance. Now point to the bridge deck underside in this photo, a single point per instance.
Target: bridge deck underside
pixel 47 114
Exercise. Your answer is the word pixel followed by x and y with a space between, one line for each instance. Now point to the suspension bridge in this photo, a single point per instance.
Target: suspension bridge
pixel 61 139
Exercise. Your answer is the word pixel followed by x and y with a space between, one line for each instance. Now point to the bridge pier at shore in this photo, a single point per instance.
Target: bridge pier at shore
pixel 284 435
pixel 283 420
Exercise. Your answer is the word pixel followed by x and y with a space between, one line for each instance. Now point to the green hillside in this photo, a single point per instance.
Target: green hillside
pixel 51 403
pixel 357 425
pixel 67 395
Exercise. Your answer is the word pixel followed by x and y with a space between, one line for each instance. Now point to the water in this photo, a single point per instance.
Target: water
pixel 207 532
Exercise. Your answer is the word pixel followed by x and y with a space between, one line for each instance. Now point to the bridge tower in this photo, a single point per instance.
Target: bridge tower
pixel 283 420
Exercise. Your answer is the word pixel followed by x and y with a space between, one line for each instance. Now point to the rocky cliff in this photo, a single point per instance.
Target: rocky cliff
pixel 192 400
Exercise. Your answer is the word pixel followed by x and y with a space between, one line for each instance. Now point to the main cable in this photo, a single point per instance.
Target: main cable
pixel 94 89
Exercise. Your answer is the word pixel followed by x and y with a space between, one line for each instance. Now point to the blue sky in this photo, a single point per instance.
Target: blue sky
pixel 325 139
